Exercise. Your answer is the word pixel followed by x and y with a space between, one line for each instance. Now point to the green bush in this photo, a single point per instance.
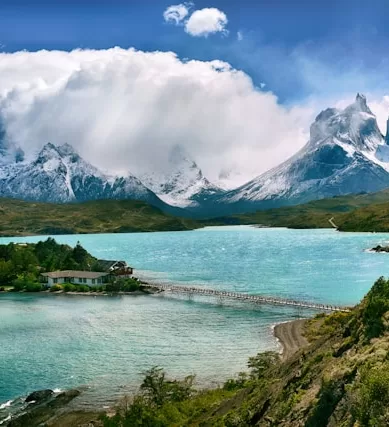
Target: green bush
pixel 68 287
pixel 82 288
pixel 372 397
pixel 123 285
pixel 236 383
pixel 18 284
pixel 262 363
pixel 33 287
pixel 376 304
pixel 56 288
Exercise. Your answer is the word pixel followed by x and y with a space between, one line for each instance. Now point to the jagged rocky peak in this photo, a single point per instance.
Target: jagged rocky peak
pixel 52 152
pixel 67 150
pixel 356 125
pixel 359 105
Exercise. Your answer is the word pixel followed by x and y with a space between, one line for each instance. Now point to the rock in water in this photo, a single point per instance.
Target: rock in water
pixel 39 396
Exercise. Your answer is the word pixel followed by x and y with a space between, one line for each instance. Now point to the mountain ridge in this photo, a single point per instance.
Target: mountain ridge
pixel 346 153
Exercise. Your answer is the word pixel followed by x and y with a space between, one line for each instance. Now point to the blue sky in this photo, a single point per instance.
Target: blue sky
pixel 299 48
pixel 126 109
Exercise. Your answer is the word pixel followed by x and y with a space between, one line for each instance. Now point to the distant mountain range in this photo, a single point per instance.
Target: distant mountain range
pixel 346 154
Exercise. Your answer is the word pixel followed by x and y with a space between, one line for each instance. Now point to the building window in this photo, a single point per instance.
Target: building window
pixel 55 280
pixel 84 280
pixel 98 280
pixel 79 280
pixel 93 281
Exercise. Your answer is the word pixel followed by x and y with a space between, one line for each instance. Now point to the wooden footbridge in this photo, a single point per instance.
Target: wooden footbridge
pixel 259 299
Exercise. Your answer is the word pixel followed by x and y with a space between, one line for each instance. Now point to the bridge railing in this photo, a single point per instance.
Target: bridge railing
pixel 244 296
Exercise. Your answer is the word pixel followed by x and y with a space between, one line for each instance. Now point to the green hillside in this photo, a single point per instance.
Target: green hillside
pixel 347 212
pixel 18 218
pixel 362 212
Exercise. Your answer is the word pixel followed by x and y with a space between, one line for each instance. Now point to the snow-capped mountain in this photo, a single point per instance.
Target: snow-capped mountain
pixel 184 184
pixel 59 174
pixel 346 153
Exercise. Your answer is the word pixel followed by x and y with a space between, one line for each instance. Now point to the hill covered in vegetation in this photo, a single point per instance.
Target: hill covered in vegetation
pixel 18 218
pixel 361 212
pixel 340 379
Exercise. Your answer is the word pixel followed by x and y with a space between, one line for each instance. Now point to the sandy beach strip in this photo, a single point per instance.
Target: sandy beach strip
pixel 290 335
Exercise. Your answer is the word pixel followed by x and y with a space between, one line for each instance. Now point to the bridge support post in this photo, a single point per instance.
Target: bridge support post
pixel 299 312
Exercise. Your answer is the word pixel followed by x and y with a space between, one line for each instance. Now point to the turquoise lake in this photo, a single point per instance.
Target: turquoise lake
pixel 105 343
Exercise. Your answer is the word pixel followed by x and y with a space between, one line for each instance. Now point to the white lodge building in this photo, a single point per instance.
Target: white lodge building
pixel 90 278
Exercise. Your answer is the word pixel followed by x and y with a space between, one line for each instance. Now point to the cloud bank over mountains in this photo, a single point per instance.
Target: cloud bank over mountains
pixel 124 110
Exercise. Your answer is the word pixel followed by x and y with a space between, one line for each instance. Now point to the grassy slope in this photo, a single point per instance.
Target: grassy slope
pixel 106 216
pixel 369 218
pixel 317 213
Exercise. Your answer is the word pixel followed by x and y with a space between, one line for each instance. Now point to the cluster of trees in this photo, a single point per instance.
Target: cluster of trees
pixel 21 265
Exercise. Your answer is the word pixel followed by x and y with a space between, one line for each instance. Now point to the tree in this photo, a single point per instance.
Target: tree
pixel 80 255
pixel 261 363
pixel 7 272
pixel 158 390
pixel 24 261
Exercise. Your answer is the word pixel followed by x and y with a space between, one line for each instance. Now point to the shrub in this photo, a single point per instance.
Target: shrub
pixel 18 284
pixel 261 364
pixel 56 288
pixel 68 287
pixel 82 288
pixel 372 397
pixel 33 287
pixel 157 390
pixel 123 285
pixel 236 383
pixel 376 304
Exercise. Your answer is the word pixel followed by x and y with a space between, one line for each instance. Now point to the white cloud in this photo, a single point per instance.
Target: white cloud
pixel 380 107
pixel 124 109
pixel 177 13
pixel 239 36
pixel 206 21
